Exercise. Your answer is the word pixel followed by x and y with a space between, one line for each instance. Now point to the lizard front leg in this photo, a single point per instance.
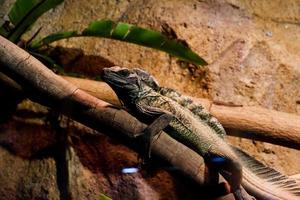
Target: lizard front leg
pixel 153 129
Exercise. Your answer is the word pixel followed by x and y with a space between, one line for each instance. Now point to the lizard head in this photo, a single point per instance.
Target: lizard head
pixel 147 78
pixel 125 82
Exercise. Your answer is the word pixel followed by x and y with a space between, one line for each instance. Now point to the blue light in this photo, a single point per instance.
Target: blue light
pixel 130 170
pixel 218 159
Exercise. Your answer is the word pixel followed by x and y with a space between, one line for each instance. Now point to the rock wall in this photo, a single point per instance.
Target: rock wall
pixel 253 52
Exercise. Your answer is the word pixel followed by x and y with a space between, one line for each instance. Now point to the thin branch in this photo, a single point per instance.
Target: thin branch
pixel 252 122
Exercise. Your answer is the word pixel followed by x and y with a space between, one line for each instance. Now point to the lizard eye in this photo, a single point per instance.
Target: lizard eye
pixel 124 73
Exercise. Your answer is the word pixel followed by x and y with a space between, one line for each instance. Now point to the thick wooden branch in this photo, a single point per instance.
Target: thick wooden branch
pixel 296 177
pixel 251 122
pixel 26 74
pixel 261 124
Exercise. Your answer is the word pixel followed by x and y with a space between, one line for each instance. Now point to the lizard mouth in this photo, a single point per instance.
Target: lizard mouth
pixel 113 75
pixel 116 71
pixel 114 68
pixel 120 77
pixel 123 81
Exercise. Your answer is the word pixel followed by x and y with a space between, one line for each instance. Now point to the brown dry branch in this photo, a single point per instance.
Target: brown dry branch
pixel 251 122
pixel 23 73
pixel 296 177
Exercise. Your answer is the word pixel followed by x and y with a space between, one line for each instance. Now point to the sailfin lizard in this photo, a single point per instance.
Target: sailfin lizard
pixel 195 131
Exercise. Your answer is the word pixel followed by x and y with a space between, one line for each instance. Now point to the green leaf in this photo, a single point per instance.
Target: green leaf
pixel 99 28
pixel 104 197
pixel 20 9
pixel 121 31
pixel 144 37
pixel 129 33
pixel 179 50
pixel 52 38
pixel 25 12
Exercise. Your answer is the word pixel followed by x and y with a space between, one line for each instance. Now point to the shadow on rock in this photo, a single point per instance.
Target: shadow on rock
pixel 74 60
pixel 29 140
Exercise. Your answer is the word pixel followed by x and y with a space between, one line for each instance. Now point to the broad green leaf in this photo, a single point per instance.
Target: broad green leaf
pixel 132 34
pixel 101 28
pixel 52 38
pixel 20 9
pixel 120 31
pixel 25 12
pixel 144 37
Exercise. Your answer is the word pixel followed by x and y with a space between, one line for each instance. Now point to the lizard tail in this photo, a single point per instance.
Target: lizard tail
pixel 264 182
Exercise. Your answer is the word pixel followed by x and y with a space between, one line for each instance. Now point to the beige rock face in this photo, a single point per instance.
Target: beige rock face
pixel 253 50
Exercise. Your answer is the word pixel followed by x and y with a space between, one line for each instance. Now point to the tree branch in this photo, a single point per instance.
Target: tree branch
pixel 251 122
pixel 27 74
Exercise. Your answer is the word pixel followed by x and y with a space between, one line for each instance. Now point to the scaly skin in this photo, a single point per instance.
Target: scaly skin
pixel 184 126
pixel 263 182
pixel 144 102
pixel 266 183
pixel 196 108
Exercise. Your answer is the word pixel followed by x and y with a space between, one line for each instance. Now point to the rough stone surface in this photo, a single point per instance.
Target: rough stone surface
pixel 25 174
pixel 253 50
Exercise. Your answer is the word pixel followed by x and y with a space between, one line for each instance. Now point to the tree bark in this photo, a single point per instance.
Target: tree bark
pixel 28 75
pixel 43 86
pixel 250 122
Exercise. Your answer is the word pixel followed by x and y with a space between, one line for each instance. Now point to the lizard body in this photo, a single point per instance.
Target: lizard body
pixel 144 102
pixel 261 181
pixel 197 109
pixel 192 129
